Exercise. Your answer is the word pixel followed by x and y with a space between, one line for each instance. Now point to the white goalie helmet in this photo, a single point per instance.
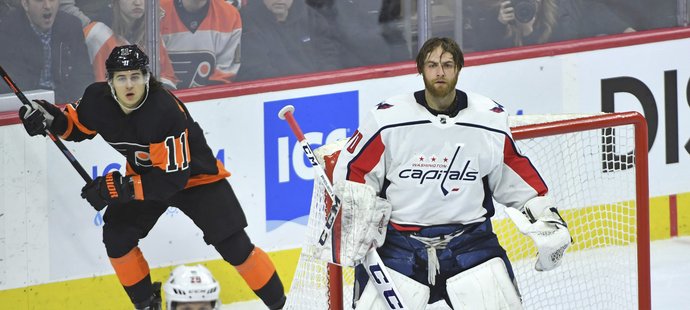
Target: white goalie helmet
pixel 191 284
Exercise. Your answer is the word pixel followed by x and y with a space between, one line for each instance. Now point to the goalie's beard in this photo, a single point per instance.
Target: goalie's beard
pixel 440 90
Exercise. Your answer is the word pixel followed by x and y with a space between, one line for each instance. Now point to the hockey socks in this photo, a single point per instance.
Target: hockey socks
pixel 133 272
pixel 260 274
pixel 255 267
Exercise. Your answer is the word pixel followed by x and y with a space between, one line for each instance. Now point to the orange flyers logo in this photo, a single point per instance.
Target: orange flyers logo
pixel 142 159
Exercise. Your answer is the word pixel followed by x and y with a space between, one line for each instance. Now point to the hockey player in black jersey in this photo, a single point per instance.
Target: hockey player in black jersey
pixel 169 163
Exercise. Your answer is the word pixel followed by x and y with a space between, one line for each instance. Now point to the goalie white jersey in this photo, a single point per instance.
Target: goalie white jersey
pixel 439 169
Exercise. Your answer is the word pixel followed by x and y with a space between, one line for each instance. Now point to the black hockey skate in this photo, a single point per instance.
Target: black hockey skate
pixel 154 302
pixel 278 305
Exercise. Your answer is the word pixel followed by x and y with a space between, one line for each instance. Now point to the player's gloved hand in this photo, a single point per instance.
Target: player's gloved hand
pixel 542 222
pixel 40 116
pixel 108 189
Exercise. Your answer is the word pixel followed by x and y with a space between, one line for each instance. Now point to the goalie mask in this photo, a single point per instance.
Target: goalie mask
pixel 128 76
pixel 191 284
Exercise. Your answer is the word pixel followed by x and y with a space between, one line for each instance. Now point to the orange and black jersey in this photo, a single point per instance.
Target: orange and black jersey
pixel 164 147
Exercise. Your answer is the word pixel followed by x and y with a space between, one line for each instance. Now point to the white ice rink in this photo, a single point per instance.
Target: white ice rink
pixel 670 269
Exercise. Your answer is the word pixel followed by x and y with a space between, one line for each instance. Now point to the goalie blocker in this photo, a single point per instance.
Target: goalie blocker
pixel 364 220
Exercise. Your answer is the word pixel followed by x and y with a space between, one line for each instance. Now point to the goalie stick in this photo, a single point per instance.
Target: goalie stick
pixel 373 264
pixel 55 139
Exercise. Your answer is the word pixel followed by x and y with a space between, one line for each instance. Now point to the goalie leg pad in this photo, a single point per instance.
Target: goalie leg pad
pixel 415 294
pixel 486 286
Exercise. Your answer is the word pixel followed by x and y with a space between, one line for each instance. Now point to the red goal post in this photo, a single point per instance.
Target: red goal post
pixel 595 167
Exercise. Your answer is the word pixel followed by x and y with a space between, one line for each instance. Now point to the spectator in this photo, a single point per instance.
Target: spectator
pixel 587 18
pixel 86 10
pixel 202 38
pixel 128 27
pixel 192 288
pixel 285 37
pixel 48 50
pixel 366 29
pixel 517 23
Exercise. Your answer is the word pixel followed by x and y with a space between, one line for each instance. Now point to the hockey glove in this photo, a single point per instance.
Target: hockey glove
pixel 542 222
pixel 108 189
pixel 40 116
pixel 364 217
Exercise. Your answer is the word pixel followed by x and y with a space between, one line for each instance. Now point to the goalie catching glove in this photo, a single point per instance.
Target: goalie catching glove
pixel 364 219
pixel 541 221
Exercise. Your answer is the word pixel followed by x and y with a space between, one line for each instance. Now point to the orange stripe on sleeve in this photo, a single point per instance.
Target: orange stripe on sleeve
pixel 257 269
pixel 138 188
pixel 129 170
pixel 201 179
pixel 70 126
pixel 159 155
pixel 73 120
pixel 130 268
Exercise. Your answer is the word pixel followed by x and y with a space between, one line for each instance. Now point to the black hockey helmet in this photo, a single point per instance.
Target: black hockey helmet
pixel 126 57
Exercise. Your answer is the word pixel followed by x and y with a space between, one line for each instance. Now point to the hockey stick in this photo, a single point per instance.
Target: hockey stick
pixel 373 264
pixel 55 139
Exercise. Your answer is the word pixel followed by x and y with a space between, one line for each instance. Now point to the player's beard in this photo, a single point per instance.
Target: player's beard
pixel 440 90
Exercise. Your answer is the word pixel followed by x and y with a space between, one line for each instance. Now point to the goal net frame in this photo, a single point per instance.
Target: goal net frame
pixel 524 128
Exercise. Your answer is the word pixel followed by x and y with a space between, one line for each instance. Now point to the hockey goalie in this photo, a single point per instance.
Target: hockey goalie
pixel 440 157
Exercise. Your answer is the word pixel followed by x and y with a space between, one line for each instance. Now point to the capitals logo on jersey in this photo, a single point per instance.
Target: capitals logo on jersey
pixel 433 168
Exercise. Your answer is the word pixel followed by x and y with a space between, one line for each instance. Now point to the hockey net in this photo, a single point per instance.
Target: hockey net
pixel 596 169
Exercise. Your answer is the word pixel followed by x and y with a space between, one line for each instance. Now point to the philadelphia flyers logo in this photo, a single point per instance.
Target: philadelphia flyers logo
pixel 142 159
pixel 193 68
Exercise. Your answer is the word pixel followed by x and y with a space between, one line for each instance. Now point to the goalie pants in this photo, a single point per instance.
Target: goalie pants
pixel 401 252
pixel 213 208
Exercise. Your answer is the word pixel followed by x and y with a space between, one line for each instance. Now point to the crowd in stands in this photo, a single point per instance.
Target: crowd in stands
pixel 52 44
